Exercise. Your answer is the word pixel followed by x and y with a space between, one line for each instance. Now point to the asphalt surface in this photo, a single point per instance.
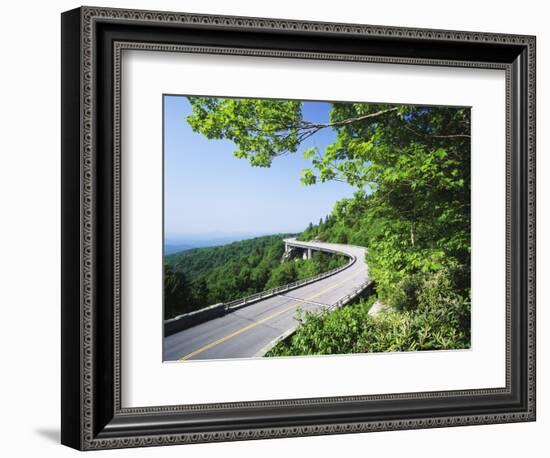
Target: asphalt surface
pixel 246 332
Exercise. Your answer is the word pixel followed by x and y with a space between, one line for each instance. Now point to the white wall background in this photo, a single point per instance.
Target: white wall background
pixel 30 214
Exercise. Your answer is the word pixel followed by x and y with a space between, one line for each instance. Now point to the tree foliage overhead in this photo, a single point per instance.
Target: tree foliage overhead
pixel 261 129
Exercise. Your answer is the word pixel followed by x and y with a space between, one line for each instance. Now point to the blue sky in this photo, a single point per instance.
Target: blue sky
pixel 208 191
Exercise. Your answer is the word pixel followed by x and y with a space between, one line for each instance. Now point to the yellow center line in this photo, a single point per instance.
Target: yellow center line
pixel 263 320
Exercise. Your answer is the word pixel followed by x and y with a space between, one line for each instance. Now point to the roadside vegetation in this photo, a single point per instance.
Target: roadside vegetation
pixel 439 320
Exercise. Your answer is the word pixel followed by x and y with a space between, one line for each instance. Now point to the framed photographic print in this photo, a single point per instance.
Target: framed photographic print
pixel 277 228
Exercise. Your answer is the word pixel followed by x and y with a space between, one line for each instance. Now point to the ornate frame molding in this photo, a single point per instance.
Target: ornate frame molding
pixel 84 22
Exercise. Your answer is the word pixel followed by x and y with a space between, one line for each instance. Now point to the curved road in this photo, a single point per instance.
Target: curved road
pixel 249 331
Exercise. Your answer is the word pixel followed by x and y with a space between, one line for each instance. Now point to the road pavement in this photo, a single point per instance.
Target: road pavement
pixel 248 331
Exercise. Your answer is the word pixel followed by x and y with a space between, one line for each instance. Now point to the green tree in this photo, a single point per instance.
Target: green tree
pixel 284 273
pixel 261 129
pixel 176 291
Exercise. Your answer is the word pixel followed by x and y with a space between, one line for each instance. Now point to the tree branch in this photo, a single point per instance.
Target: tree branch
pixel 423 134
pixel 345 122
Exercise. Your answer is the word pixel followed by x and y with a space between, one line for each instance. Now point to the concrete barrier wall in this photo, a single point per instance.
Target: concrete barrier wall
pixel 191 319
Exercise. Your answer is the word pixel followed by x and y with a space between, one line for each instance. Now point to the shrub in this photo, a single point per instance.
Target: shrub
pixel 405 294
pixel 438 320
pixel 441 298
pixel 326 333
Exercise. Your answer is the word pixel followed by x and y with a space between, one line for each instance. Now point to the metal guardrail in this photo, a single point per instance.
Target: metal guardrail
pixel 350 296
pixel 237 303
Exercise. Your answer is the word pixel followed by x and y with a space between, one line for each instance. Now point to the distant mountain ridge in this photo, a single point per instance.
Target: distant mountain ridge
pixel 171 249
pixel 174 245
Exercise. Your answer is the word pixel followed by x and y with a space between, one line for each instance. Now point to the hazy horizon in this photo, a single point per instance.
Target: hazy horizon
pixel 176 238
pixel 175 245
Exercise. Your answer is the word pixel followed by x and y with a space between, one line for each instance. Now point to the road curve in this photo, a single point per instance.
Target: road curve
pixel 248 331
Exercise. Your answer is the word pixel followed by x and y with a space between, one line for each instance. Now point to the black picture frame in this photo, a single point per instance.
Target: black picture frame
pixel 92 416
